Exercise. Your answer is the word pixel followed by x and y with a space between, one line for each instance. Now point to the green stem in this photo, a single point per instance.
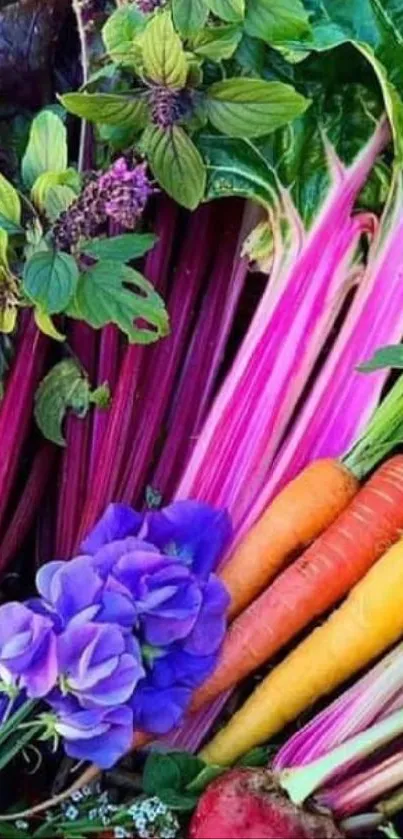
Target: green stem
pixel 383 432
pixel 392 805
pixel 12 723
pixel 302 782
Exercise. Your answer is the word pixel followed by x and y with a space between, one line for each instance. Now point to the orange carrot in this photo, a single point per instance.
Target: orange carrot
pixel 369 621
pixel 298 515
pixel 319 578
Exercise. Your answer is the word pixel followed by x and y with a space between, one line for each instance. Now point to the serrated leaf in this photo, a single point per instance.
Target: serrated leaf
pixel 121 248
pixel 189 16
pixel 58 200
pixel 176 164
pixel 228 10
pixel 119 32
pixel 47 147
pixel 113 293
pixel 107 108
pixel 390 356
pixel 276 21
pixel 63 388
pixel 47 180
pixel 242 107
pixel 217 42
pixel 10 205
pixel 46 325
pixel 50 280
pixel 164 58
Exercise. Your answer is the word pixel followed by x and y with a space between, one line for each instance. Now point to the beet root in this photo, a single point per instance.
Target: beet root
pixel 248 804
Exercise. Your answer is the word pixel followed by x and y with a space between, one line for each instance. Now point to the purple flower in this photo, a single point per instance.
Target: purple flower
pixel 147 6
pixel 126 192
pixel 96 666
pixel 158 711
pixel 100 735
pixel 27 649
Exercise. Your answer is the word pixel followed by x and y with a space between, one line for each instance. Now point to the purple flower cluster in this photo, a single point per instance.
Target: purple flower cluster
pixel 147 6
pixel 119 194
pixel 120 636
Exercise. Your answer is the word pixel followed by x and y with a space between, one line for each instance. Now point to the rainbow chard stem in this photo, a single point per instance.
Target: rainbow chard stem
pixel 117 439
pixel 204 355
pixel 28 504
pixel 355 793
pixel 163 360
pixel 17 404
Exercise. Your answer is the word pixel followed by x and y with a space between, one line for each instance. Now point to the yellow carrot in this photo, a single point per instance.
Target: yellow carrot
pixel 368 622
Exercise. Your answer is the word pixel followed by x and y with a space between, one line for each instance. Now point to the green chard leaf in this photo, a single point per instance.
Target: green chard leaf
pixel 10 206
pixel 164 58
pixel 276 21
pixel 189 16
pixel 64 387
pixel 236 167
pixel 110 292
pixel 119 33
pixel 121 248
pixel 50 279
pixel 231 11
pixel 243 107
pixel 390 356
pixel 107 108
pixel 176 163
pixel 47 147
pixel 217 42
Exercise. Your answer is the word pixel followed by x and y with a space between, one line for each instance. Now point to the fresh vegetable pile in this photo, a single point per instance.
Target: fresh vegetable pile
pixel 201 421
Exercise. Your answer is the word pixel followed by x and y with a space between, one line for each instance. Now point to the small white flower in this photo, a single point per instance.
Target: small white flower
pixel 21 824
pixel 71 813
pixel 86 791
pixel 93 814
pixel 77 795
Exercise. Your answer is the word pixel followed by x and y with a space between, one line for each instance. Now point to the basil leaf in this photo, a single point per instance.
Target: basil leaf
pixel 176 164
pixel 189 16
pixel 390 356
pixel 113 293
pixel 107 108
pixel 58 199
pixel 119 32
pixel 179 801
pixel 10 205
pixel 62 388
pixel 275 21
pixel 218 42
pixel 47 147
pixel 204 778
pixel 164 58
pixel 120 248
pixel 231 11
pixel 46 325
pixel 50 280
pixel 44 182
pixel 160 772
pixel 244 107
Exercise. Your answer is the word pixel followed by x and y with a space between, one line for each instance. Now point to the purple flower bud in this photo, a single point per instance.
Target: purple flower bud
pixel 27 649
pixel 169 106
pixel 147 6
pixel 99 735
pixel 95 667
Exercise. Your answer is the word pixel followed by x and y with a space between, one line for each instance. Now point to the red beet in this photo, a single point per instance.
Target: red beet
pixel 247 804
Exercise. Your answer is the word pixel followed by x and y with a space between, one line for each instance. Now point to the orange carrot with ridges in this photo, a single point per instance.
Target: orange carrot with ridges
pixel 312 584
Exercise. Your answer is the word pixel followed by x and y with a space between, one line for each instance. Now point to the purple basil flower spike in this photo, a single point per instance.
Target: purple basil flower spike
pixel 27 649
pixel 96 667
pixel 99 735
pixel 195 532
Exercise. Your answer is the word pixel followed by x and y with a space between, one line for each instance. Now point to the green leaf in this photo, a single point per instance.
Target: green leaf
pixel 218 42
pixel 119 34
pixel 229 10
pixel 160 772
pixel 47 147
pixel 276 21
pixel 256 757
pixel 121 248
pixel 390 356
pixel 46 325
pixel 50 280
pixel 47 180
pixel 113 293
pixel 9 226
pixel 63 388
pixel 169 776
pixel 244 107
pixel 375 28
pixel 3 248
pixel 189 16
pixel 107 108
pixel 58 199
pixel 176 164
pixel 236 167
pixel 10 205
pixel 204 778
pixel 182 802
pixel 164 58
